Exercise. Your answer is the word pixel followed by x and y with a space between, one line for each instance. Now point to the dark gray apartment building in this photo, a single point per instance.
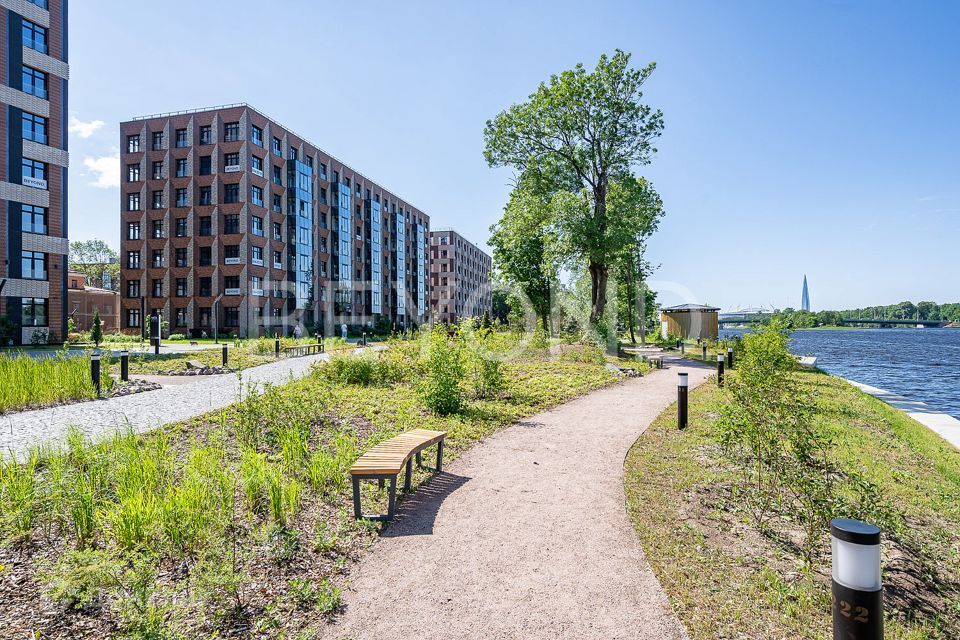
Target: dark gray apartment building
pixel 459 277
pixel 231 222
pixel 33 170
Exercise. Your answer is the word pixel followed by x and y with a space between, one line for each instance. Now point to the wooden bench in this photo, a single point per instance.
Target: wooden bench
pixel 386 460
pixel 303 349
pixel 657 362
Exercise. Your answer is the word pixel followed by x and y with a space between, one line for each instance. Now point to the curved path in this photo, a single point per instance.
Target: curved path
pixel 524 536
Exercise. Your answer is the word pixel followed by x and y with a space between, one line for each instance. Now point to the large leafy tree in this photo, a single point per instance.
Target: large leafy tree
pixel 521 247
pixel 97 261
pixel 585 130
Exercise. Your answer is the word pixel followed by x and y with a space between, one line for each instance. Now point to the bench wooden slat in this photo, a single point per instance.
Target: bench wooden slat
pixel 390 456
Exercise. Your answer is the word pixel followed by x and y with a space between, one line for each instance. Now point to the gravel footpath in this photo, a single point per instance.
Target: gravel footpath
pixel 191 396
pixel 524 536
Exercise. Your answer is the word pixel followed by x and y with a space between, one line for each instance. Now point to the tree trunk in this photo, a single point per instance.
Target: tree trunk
pixel 642 296
pixel 631 298
pixel 598 294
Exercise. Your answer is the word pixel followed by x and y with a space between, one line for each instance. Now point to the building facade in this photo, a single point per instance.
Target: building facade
pixel 33 170
pixel 232 223
pixel 84 301
pixel 459 278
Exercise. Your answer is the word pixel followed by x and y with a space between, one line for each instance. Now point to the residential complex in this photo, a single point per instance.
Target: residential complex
pixel 33 170
pixel 232 223
pixel 459 277
pixel 84 301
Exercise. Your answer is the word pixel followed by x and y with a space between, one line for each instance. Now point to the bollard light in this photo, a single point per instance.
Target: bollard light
pixel 125 365
pixel 683 383
pixel 704 351
pixel 730 357
pixel 95 370
pixel 719 369
pixel 857 588
pixel 224 355
pixel 683 348
pixel 276 347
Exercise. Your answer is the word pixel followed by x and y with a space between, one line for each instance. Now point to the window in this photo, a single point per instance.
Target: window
pixel 231 223
pixel 231 160
pixel 133 202
pixel 133 318
pixel 256 135
pixel 34 128
pixel 158 170
pixel 231 316
pixel 157 226
pixel 33 219
pixel 33 265
pixel 256 226
pixel 206 256
pixel 181 227
pixel 40 3
pixel 206 165
pixel 157 258
pixel 157 144
pixel 158 200
pixel 277 260
pixel 256 195
pixel 206 134
pixel 257 164
pixel 206 287
pixel 323 171
pixel 33 312
pixel 277 176
pixel 181 287
pixel 180 256
pixel 256 283
pixel 34 169
pixel 323 195
pixel 180 317
pixel 231 251
pixel 157 289
pixel 276 147
pixel 181 198
pixel 34 82
pixel 182 169
pixel 231 193
pixel 231 282
pixel 133 258
pixel 277 231
pixel 206 226
pixel 206 195
pixel 133 288
pixel 231 132
pixel 257 254
pixel 277 203
pixel 292 154
pixel 133 144
pixel 181 138
pixel 133 172
pixel 34 36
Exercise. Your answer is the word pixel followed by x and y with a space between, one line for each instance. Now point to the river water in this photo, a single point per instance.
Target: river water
pixel 921 364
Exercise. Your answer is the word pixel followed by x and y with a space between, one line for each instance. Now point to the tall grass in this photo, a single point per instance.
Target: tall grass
pixel 42 382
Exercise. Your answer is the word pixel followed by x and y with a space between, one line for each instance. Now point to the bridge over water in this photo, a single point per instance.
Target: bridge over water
pixel 908 323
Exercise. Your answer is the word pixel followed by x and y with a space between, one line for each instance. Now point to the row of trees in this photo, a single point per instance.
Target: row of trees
pixel 577 208
pixel 949 312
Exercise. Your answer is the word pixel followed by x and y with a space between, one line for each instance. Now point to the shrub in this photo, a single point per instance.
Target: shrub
pixel 81 577
pixel 177 336
pixel 440 389
pixel 352 369
pixel 96 331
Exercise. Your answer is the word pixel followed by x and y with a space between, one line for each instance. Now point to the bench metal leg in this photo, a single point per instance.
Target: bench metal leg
pixel 440 456
pixel 392 505
pixel 408 477
pixel 419 461
pixel 356 498
pixel 380 482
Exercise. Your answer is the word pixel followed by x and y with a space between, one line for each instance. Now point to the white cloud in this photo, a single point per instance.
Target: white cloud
pixel 107 170
pixel 84 129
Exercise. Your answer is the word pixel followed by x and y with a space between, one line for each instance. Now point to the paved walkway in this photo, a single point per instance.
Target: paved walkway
pixel 141 411
pixel 943 424
pixel 525 536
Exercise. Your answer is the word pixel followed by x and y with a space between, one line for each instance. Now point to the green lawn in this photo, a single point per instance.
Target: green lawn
pixel 725 579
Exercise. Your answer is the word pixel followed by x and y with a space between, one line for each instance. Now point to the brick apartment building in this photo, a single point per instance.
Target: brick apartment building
pixel 459 277
pixel 231 222
pixel 83 301
pixel 33 170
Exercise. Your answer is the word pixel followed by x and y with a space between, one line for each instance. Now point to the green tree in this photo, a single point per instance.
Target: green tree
pixel 582 130
pixel 521 244
pixel 96 331
pixel 97 261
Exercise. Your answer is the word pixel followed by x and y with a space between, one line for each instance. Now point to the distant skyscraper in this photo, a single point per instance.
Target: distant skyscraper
pixel 805 299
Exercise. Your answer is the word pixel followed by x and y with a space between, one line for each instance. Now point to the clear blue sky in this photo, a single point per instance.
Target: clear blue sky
pixel 807 137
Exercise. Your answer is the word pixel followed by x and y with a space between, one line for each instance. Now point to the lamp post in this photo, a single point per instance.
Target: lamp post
pixel 719 369
pixel 95 370
pixel 856 587
pixel 682 387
